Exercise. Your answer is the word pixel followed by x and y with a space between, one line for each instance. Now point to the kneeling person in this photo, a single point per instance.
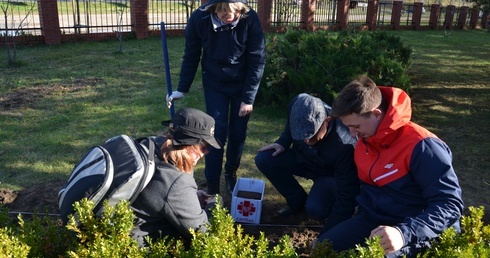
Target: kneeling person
pixel 315 146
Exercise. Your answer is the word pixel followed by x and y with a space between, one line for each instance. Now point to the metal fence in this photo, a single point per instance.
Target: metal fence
pixel 89 16
pixel 325 13
pixel 22 18
pixel 100 16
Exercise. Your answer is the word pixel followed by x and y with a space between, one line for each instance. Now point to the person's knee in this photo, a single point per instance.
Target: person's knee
pixel 261 161
pixel 316 212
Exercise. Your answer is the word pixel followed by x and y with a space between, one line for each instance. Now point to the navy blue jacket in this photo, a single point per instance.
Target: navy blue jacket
pixel 234 55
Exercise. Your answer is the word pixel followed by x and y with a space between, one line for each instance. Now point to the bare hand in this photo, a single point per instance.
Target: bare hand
pixel 245 109
pixel 203 197
pixel 391 239
pixel 276 147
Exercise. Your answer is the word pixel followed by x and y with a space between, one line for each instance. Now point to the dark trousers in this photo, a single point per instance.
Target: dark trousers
pixel 355 230
pixel 281 169
pixel 231 128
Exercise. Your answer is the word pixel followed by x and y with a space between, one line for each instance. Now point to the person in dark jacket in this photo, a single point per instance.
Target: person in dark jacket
pixel 322 150
pixel 227 38
pixel 170 204
pixel 410 193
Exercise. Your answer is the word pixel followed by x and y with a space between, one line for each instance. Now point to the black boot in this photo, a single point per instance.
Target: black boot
pixel 230 180
pixel 213 187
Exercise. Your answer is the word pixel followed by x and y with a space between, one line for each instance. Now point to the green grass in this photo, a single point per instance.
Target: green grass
pixel 67 98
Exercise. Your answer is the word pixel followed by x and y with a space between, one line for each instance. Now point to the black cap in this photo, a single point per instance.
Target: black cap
pixel 189 126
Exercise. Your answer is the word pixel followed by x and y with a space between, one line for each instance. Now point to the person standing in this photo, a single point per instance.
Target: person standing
pixel 315 146
pixel 410 193
pixel 227 38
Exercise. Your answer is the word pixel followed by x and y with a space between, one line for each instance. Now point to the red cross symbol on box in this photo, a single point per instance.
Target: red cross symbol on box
pixel 246 208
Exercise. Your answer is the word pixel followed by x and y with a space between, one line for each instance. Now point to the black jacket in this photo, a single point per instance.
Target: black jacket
pixel 332 156
pixel 228 55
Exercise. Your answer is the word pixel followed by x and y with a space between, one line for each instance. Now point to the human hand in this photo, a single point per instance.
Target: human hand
pixel 245 109
pixel 276 147
pixel 213 199
pixel 174 96
pixel 391 238
pixel 203 196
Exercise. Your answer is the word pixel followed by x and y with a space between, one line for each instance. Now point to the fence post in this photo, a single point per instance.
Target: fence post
pixel 474 18
pixel 463 14
pixel 343 14
pixel 448 21
pixel 264 8
pixel 50 23
pixel 372 13
pixel 396 14
pixel 308 8
pixel 484 21
pixel 417 15
pixel 139 18
pixel 434 16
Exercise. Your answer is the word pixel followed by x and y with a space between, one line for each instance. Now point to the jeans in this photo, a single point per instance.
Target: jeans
pixel 224 108
pixel 280 171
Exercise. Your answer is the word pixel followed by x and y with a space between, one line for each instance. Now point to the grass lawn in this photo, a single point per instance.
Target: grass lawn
pixel 63 99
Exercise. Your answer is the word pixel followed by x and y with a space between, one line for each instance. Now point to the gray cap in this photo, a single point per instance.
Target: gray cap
pixel 307 116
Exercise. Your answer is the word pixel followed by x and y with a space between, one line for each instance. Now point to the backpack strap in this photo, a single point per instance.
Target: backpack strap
pixel 149 168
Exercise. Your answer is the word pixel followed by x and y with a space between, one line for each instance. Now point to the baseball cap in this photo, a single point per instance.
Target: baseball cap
pixel 307 116
pixel 189 126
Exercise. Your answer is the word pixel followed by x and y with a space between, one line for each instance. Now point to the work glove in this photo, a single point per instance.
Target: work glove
pixel 175 95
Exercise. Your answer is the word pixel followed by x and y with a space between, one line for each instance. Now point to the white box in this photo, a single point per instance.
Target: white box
pixel 246 201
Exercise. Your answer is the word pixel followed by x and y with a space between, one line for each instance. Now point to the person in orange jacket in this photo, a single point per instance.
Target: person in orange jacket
pixel 410 192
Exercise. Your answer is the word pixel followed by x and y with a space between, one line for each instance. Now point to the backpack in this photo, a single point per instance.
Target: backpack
pixel 116 170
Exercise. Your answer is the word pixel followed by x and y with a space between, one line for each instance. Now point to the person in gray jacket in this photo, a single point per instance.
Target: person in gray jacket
pixel 171 204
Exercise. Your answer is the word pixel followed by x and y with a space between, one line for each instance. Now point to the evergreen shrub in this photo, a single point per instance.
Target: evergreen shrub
pixel 321 63
pixel 87 235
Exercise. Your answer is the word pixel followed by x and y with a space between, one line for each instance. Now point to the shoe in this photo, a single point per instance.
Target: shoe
pixel 230 180
pixel 213 188
pixel 288 212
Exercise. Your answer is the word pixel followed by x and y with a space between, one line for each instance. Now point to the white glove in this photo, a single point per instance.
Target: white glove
pixel 175 95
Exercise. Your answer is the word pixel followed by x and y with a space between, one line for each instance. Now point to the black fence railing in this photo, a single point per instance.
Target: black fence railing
pixel 94 16
pixel 103 16
pixel 22 18
pixel 325 13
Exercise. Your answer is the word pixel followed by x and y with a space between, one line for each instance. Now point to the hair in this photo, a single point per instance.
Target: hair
pixel 360 96
pixel 179 155
pixel 228 7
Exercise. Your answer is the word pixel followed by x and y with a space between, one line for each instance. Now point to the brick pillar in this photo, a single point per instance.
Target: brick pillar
pixel 308 8
pixel 343 14
pixel 434 16
pixel 264 8
pixel 448 22
pixel 463 14
pixel 474 18
pixel 50 23
pixel 372 12
pixel 484 21
pixel 396 14
pixel 417 15
pixel 139 18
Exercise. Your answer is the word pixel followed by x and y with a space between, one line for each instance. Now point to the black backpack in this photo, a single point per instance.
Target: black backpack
pixel 119 169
